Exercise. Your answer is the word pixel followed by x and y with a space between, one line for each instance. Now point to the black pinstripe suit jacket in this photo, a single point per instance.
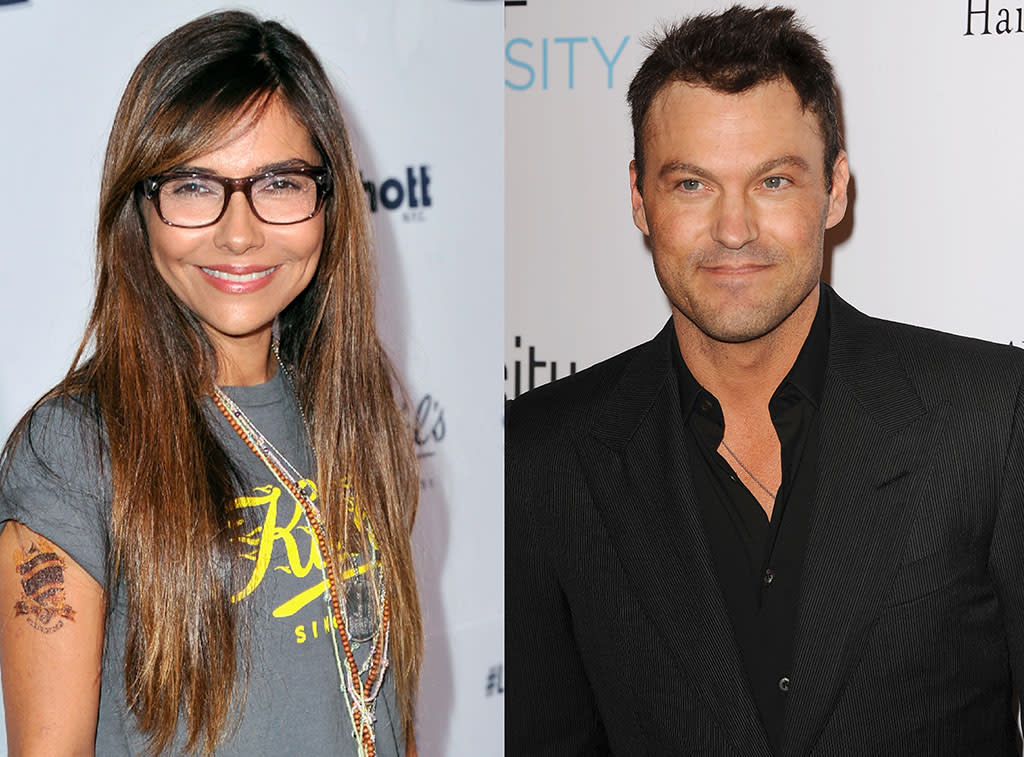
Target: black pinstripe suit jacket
pixel 910 631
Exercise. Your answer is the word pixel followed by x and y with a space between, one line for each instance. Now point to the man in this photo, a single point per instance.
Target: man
pixel 781 526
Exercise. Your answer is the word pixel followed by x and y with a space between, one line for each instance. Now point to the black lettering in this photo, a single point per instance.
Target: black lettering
pixel 519 386
pixel 534 363
pixel 422 416
pixel 554 369
pixel 371 195
pixel 438 429
pixel 425 186
pixel 410 181
pixel 394 187
pixel 971 12
pixel 1003 27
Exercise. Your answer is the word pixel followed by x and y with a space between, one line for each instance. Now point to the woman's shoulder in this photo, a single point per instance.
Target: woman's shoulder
pixel 60 431
pixel 54 478
pixel 69 410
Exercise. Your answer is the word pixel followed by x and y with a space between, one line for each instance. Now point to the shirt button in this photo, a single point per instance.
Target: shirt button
pixel 784 684
pixel 769 576
pixel 705 405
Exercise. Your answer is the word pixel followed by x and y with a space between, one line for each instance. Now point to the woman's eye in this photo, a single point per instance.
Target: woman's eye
pixel 187 187
pixel 279 185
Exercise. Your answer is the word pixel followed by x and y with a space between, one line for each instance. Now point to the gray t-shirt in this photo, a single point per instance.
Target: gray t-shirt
pixel 59 486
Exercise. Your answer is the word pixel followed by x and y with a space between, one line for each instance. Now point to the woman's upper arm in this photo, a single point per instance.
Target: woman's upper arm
pixel 51 645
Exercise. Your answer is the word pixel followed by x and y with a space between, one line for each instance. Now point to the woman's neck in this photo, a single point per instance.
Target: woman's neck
pixel 246 360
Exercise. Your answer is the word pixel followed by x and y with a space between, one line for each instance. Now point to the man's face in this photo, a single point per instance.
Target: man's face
pixel 734 202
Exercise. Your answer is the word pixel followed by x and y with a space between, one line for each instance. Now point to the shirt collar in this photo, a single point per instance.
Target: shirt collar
pixel 807 374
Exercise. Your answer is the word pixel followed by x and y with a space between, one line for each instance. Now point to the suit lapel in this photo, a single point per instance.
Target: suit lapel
pixel 875 434
pixel 635 457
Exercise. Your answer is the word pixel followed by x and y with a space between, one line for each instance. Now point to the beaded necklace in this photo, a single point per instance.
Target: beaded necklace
pixel 360 695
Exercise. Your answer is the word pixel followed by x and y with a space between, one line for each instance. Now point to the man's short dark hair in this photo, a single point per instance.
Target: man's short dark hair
pixel 731 52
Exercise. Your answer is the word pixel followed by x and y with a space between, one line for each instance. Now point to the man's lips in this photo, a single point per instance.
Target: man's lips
pixel 736 269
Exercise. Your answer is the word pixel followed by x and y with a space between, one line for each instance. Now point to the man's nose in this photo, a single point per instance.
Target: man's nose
pixel 734 224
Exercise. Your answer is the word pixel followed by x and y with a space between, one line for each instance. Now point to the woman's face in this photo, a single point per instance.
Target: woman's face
pixel 239 273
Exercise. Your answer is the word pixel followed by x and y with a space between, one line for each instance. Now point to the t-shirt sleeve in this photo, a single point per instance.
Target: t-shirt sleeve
pixel 55 481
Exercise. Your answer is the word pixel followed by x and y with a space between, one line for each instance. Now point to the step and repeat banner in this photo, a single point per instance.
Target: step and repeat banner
pixel 420 84
pixel 932 119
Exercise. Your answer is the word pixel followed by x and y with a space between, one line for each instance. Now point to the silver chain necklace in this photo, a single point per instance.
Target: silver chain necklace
pixel 756 480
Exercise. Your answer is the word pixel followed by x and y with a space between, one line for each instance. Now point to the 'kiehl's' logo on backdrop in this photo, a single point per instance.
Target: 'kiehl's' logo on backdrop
pixel 983 19
pixel 428 432
pixel 429 429
pixel 409 193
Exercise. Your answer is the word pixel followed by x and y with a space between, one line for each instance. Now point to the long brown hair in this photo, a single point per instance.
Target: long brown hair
pixel 148 365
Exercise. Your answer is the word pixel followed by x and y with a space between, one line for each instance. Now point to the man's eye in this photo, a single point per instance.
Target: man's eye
pixel 690 185
pixel 775 182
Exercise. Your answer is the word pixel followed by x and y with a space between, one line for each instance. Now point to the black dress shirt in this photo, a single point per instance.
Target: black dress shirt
pixel 757 560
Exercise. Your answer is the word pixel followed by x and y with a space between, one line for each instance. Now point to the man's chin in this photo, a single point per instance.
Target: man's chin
pixel 737 326
pixel 737 336
pixel 741 319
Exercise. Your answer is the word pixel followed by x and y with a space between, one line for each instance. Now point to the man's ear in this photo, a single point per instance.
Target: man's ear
pixel 639 214
pixel 837 198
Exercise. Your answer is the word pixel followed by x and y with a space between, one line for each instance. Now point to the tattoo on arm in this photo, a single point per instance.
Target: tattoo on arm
pixel 43 601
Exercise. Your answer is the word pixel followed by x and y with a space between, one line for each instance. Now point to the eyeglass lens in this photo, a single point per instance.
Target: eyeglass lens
pixel 276 198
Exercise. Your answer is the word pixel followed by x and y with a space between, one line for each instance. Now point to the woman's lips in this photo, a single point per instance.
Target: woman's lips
pixel 238 279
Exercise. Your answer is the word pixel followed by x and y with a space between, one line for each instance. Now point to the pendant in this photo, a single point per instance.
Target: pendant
pixel 360 607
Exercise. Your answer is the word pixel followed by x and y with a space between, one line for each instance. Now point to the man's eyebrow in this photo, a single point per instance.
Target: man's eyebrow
pixel 786 160
pixel 678 166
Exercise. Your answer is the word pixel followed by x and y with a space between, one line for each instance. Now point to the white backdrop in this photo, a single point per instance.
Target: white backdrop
pixel 932 119
pixel 420 85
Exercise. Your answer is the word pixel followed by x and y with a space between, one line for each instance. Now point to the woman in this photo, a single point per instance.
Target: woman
pixel 207 529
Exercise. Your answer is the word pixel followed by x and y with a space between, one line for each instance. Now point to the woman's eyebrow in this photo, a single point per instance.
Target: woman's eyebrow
pixel 281 165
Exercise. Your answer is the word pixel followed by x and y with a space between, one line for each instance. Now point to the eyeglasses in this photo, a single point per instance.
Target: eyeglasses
pixel 193 200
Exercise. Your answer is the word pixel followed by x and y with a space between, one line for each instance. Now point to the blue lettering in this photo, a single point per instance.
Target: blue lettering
pixel 610 63
pixel 522 64
pixel 571 41
pixel 539 71
pixel 544 59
